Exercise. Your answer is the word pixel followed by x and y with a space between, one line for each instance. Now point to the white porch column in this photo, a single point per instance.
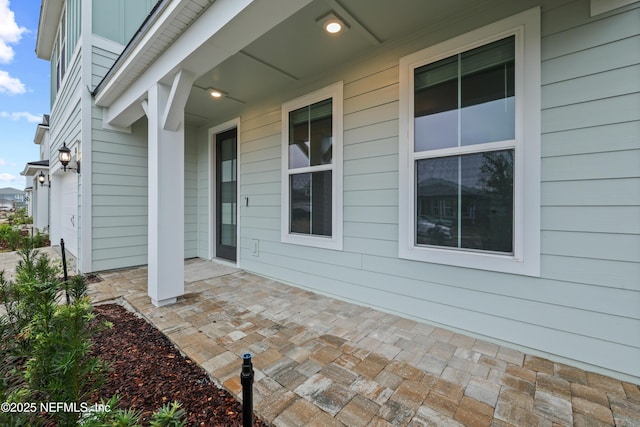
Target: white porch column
pixel 166 202
pixel 40 200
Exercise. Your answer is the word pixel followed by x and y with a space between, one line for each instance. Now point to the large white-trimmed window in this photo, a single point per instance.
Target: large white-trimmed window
pixel 312 169
pixel 470 149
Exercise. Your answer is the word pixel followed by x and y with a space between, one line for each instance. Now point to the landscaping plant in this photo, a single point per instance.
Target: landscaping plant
pixel 20 217
pixel 10 237
pixel 47 341
pixel 45 351
pixel 13 238
pixel 168 416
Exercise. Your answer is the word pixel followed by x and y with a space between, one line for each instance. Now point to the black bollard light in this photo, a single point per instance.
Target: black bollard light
pixel 64 269
pixel 246 379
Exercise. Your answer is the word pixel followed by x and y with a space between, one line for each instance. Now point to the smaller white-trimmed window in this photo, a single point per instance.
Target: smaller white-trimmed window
pixel 312 169
pixel 470 149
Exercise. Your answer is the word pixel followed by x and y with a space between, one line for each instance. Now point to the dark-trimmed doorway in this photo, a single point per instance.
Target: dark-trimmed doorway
pixel 226 194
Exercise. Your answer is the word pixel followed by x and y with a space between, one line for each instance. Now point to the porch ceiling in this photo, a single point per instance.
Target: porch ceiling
pixel 298 48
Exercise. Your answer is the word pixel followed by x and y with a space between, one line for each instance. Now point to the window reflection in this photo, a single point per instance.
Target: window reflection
pixel 311 203
pixel 310 135
pixel 466 201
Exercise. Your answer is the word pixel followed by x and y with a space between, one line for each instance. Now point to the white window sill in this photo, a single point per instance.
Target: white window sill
pixel 527 265
pixel 313 241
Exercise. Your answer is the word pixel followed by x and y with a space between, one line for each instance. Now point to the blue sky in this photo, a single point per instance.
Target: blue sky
pixel 24 88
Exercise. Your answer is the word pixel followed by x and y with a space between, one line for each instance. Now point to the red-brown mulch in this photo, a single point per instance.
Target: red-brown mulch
pixel 147 371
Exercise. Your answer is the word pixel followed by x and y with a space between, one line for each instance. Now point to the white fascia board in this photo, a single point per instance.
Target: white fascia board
pixel 50 11
pixel 223 29
pixel 41 131
pixel 32 170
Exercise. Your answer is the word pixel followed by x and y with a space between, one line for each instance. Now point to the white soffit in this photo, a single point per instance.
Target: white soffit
pixel 50 11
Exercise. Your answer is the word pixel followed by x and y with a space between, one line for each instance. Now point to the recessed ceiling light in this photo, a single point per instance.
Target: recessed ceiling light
pixel 332 24
pixel 333 27
pixel 215 93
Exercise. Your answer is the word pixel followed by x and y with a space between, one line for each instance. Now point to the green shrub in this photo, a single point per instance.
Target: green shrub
pixel 45 348
pixel 168 416
pixel 20 217
pixel 4 229
pixel 39 240
pixel 51 340
pixel 13 238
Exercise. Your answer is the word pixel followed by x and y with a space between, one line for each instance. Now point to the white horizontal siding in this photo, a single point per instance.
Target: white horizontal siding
pixel 102 60
pixel 120 195
pixel 591 180
pixel 601 112
pixel 119 188
pixel 602 192
pixel 564 342
pixel 592 166
pixel 204 194
pixel 595 219
pixel 619 137
pixel 69 89
pixel 190 193
pixel 596 59
pixel 585 305
pixel 65 127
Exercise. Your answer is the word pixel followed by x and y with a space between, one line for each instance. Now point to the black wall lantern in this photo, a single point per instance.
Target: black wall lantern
pixel 64 155
pixel 42 179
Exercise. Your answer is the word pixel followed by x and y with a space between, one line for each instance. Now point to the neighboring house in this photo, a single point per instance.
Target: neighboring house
pixel 39 197
pixel 37 174
pixel 28 199
pixel 11 198
pixel 473 164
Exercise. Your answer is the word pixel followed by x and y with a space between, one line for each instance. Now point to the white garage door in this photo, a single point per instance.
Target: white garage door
pixel 69 212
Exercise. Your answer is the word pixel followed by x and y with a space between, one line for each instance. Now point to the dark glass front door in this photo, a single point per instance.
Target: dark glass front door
pixel 226 194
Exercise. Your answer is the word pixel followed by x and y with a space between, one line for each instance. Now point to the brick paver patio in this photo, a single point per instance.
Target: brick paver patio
pixel 323 362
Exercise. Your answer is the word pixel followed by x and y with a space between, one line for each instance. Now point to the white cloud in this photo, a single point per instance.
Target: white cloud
pixel 4 163
pixel 10 85
pixel 10 32
pixel 7 177
pixel 21 115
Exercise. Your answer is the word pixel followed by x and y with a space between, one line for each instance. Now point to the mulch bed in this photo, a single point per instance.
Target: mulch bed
pixel 147 371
